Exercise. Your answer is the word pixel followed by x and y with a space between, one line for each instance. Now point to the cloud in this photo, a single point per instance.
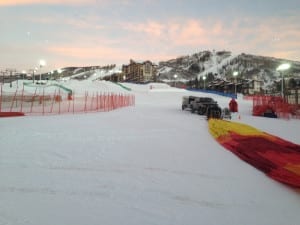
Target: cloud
pixel 272 36
pixel 95 39
pixel 83 52
pixel 150 28
pixel 189 32
pixel 87 22
pixel 275 37
pixel 48 2
pixel 103 54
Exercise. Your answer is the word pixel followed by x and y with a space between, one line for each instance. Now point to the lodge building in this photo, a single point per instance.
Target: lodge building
pixel 139 72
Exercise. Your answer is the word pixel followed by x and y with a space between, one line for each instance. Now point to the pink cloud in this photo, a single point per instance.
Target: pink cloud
pixel 101 55
pixel 165 39
pixel 189 32
pixel 149 28
pixel 277 37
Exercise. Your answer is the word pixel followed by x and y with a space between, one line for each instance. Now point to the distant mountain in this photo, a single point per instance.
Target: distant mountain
pixel 211 64
pixel 222 64
pixel 87 72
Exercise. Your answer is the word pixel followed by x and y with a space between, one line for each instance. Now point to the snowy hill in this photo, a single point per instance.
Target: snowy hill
pixel 222 64
pixel 191 68
pixel 148 164
pixel 83 73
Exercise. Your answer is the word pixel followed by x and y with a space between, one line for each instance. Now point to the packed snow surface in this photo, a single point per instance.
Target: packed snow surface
pixel 152 164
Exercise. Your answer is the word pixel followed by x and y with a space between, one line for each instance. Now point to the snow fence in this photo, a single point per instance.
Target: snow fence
pixel 274 104
pixel 278 158
pixel 61 102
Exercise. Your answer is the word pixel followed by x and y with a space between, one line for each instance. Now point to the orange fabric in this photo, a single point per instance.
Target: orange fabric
pixel 278 158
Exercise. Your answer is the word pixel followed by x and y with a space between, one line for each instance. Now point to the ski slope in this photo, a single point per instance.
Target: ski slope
pixel 151 164
pixel 215 66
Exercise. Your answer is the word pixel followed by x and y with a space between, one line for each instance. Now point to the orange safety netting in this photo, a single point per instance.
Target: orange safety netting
pixel 60 103
pixel 276 157
pixel 264 104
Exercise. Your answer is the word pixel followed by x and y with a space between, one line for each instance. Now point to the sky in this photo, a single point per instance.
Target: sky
pixel 150 164
pixel 101 32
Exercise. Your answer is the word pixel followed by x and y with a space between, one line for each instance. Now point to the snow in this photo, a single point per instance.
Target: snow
pixel 215 66
pixel 166 69
pixel 151 164
pixel 96 74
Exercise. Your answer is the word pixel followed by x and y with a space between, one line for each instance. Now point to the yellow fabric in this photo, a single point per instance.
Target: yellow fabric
pixel 222 128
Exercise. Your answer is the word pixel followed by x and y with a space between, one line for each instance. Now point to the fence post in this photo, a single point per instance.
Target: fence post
pixel 59 101
pixel 33 98
pixel 22 99
pixel 97 106
pixel 53 99
pixel 69 102
pixel 111 101
pixel 73 102
pixel 1 97
pixel 12 103
pixel 101 101
pixel 43 99
pixel 92 101
pixel 85 100
pixel 104 102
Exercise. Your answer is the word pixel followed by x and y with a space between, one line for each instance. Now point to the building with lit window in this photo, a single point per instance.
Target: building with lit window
pixel 139 72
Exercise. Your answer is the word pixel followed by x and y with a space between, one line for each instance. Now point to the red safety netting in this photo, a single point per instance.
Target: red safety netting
pixel 59 102
pixel 263 105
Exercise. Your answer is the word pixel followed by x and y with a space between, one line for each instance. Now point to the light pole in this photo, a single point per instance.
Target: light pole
pixel 11 71
pixel 33 73
pixel 51 75
pixel 2 76
pixel 281 68
pixel 23 74
pixel 42 63
pixel 175 77
pixel 59 71
pixel 204 78
pixel 235 73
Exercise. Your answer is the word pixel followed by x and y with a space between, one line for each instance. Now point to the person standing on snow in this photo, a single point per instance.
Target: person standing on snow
pixel 233 106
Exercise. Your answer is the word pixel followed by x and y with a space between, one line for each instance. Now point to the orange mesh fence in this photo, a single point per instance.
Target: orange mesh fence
pixel 61 102
pixel 264 104
pixel 278 158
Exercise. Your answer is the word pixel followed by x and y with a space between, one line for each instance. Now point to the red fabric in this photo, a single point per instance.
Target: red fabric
pixel 233 106
pixel 11 114
pixel 272 155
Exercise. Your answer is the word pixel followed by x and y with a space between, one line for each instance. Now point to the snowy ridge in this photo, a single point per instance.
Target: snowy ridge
pixel 100 73
pixel 95 74
pixel 221 64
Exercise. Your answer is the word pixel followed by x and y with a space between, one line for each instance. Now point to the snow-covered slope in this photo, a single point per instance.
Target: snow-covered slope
pixel 215 67
pixel 221 64
pixel 94 74
pixel 148 164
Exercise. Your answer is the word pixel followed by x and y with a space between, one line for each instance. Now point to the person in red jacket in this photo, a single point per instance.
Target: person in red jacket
pixel 233 106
